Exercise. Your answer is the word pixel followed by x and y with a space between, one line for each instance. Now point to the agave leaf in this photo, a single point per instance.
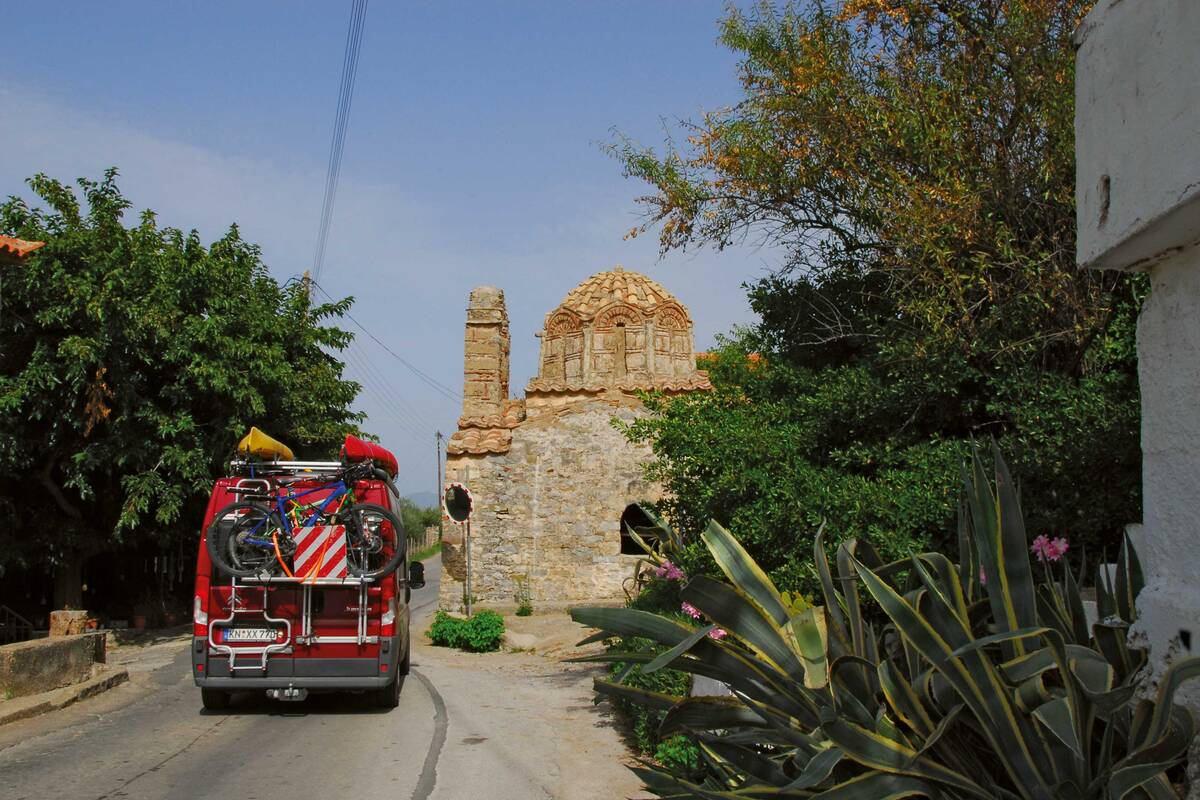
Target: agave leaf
pixel 1129 581
pixel 809 633
pixel 1182 670
pixel 655 700
pixel 744 573
pixel 1015 581
pixel 737 613
pixel 709 713
pixel 977 682
pixel 667 656
pixel 746 760
pixel 816 771
pixel 632 622
pixel 1074 604
pixel 877 752
pixel 1056 716
pixel 1111 642
pixel 903 701
pixel 879 786
pixel 850 592
pixel 940 731
pixel 833 598
pixel 1125 780
pixel 1106 605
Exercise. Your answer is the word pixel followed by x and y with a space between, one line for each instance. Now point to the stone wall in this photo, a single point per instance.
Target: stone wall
pixel 550 509
pixel 43 664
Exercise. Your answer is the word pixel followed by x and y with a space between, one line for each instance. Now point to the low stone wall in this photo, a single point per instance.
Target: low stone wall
pixel 44 664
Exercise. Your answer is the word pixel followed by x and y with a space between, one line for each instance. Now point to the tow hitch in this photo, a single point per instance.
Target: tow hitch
pixel 290 694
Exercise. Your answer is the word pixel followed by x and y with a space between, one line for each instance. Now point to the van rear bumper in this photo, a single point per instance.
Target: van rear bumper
pixel 210 670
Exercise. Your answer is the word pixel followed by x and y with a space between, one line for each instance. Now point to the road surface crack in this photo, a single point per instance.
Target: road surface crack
pixel 428 777
pixel 147 771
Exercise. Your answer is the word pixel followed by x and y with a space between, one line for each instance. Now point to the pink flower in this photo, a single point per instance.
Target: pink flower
pixel 690 610
pixel 1047 549
pixel 718 634
pixel 982 576
pixel 669 571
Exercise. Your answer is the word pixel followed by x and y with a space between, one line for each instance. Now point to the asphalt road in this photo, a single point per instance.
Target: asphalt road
pixel 499 726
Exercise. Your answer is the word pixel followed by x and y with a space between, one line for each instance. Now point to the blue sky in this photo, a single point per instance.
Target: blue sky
pixel 472 157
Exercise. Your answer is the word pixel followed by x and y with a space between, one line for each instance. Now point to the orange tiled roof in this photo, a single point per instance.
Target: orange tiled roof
pixel 616 285
pixel 697 381
pixel 478 441
pixel 18 247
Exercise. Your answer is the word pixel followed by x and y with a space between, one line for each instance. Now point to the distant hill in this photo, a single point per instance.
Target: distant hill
pixel 423 499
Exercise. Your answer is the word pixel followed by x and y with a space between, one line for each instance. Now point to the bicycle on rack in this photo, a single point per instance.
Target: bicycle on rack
pixel 256 536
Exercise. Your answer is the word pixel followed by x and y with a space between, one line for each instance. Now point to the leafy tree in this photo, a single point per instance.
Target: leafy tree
pixel 912 162
pixel 417 519
pixel 132 360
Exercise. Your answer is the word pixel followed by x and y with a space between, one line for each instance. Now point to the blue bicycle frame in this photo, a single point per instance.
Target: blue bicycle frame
pixel 340 490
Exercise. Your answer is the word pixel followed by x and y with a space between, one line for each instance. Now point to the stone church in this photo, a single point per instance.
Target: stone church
pixel 551 475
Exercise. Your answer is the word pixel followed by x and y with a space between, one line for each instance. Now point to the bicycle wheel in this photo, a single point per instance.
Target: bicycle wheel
pixel 375 540
pixel 242 540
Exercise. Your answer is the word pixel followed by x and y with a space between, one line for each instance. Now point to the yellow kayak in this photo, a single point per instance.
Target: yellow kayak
pixel 257 443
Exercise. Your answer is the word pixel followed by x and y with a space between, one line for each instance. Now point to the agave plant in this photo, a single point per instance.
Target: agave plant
pixel 915 678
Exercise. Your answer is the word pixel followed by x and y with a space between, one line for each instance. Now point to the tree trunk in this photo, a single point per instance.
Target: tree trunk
pixel 68 581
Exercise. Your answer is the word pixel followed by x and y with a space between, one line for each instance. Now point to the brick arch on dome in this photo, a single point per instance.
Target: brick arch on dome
pixel 672 317
pixel 562 321
pixel 617 314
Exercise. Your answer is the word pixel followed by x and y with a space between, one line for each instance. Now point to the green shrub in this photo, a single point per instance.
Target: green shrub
pixel 524 610
pixel 976 679
pixel 479 634
pixel 483 632
pixel 446 631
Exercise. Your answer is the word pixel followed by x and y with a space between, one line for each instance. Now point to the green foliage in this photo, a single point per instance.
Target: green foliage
pixel 417 519
pixel 915 677
pixel 446 631
pixel 642 721
pixel 524 610
pixel 917 181
pixel 134 358
pixel 481 633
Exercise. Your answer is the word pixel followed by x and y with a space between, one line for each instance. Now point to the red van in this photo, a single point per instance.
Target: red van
pixel 288 633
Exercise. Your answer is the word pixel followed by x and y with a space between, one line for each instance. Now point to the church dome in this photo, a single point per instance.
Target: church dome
pixel 616 286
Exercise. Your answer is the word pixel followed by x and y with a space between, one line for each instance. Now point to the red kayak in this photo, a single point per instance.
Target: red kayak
pixel 356 449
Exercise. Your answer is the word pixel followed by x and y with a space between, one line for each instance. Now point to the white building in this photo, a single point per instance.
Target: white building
pixel 1137 134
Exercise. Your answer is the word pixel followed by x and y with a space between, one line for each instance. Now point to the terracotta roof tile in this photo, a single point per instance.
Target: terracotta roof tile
pixel 616 285
pixel 11 246
pixel 478 441
pixel 698 381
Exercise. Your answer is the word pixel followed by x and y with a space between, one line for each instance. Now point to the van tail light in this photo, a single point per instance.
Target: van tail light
pixel 388 620
pixel 200 607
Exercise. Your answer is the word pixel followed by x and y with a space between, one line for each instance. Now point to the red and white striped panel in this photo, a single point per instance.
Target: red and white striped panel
pixel 320 552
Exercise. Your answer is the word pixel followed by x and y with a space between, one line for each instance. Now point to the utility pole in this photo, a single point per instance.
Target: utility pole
pixel 437 439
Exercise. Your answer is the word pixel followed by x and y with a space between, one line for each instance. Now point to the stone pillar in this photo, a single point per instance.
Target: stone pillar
pixel 1137 96
pixel 486 346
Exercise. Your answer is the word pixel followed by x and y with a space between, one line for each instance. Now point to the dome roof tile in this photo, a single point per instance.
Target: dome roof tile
pixel 616 285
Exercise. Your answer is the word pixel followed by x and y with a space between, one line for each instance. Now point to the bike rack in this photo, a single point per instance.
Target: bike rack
pixel 306 636
pixel 262 652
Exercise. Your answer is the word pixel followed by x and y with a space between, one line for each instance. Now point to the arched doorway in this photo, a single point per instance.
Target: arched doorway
pixel 637 519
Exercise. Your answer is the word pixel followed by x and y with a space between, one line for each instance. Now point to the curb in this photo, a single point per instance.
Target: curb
pixel 35 705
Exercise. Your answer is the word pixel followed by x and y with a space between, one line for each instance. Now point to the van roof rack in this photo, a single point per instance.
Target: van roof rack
pixel 243 466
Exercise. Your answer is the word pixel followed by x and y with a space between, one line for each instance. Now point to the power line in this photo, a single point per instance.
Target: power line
pixel 370 382
pixel 341 121
pixel 407 408
pixel 441 388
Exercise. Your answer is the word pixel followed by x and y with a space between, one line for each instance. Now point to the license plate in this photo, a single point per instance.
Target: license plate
pixel 250 634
